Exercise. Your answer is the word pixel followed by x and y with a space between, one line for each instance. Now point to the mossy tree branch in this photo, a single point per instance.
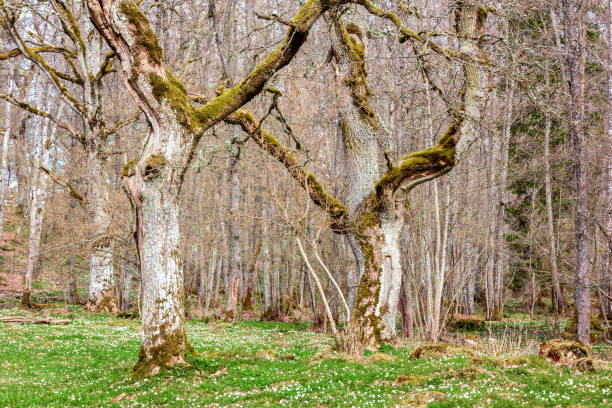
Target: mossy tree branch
pixel 73 192
pixel 423 165
pixel 29 108
pixel 46 48
pixel 56 77
pixel 336 210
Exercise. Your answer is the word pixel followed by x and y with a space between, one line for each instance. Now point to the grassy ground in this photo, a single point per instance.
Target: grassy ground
pixel 252 364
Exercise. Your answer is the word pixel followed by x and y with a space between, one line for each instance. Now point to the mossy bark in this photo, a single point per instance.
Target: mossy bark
pixel 176 127
pixel 26 302
pixel 102 296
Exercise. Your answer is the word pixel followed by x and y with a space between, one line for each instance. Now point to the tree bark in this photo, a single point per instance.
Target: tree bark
pixel 4 169
pixel 38 199
pixel 607 263
pixel 231 296
pixel 102 297
pixel 19 158
pixel 558 302
pixel 265 259
pixel 575 43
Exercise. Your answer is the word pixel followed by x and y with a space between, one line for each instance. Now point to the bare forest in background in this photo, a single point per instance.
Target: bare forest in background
pixel 383 170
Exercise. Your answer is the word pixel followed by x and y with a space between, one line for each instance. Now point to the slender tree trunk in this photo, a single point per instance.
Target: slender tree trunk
pixel 575 42
pixel 500 259
pixel 607 262
pixel 73 293
pixel 211 276
pixel 4 169
pixel 407 329
pixel 234 239
pixel 19 159
pixel 38 199
pixel 558 302
pixel 265 259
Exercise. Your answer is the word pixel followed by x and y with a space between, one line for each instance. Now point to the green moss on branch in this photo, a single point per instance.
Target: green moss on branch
pixel 145 39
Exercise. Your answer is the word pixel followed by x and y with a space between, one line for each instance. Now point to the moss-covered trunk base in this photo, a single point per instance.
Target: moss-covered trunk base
pixel 355 339
pixel 247 302
pixel 26 303
pixel 169 353
pixel 106 302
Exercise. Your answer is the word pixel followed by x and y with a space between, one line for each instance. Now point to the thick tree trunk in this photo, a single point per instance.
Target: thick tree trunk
pixel 575 40
pixel 102 297
pixel 162 291
pixel 354 275
pixel 358 130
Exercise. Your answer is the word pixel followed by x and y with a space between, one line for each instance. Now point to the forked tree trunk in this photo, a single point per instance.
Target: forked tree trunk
pixel 153 182
pixel 155 178
pixel 358 129
pixel 377 206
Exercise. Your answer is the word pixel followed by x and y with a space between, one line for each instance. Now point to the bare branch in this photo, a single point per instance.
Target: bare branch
pixel 63 183
pixel 29 108
pixel 306 179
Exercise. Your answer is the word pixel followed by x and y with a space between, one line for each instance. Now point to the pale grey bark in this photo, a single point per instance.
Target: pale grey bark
pixel 101 270
pixel 38 198
pixel 361 154
pixel 4 167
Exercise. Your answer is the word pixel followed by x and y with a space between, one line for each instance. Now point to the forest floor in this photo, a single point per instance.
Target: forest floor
pixel 252 364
